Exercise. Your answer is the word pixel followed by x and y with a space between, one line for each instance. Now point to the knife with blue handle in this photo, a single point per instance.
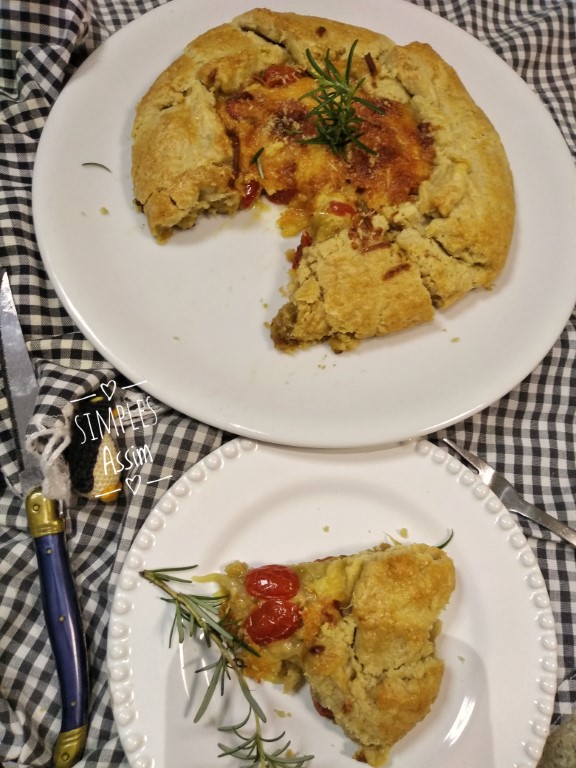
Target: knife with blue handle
pixel 46 524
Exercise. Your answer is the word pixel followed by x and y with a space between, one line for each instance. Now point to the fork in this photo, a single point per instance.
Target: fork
pixel 511 499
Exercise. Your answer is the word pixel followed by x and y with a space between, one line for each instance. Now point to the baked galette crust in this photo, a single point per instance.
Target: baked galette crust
pixel 392 257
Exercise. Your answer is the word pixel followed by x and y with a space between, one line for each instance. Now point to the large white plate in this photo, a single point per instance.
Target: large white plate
pixel 259 503
pixel 188 318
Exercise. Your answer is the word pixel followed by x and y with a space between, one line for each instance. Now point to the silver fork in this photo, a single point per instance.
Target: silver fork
pixel 511 499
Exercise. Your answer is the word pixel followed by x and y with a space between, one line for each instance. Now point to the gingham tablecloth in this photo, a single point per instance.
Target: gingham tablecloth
pixel 529 434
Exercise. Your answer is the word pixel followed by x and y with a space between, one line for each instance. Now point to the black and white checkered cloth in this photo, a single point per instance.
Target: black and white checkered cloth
pixel 530 434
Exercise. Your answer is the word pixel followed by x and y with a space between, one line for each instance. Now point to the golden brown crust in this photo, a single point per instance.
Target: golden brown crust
pixel 378 674
pixel 367 643
pixel 296 33
pixel 469 199
pixel 182 159
pixel 343 294
pixel 448 226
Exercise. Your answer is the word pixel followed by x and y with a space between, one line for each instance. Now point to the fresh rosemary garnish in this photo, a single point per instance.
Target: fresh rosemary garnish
pixel 256 161
pixel 335 118
pixel 96 165
pixel 442 545
pixel 447 540
pixel 252 748
pixel 194 614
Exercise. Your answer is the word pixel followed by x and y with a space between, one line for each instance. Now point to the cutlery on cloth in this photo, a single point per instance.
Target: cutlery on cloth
pixel 46 524
pixel 511 499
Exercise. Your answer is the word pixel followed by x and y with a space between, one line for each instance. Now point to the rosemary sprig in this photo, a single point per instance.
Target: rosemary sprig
pixel 447 540
pixel 202 614
pixel 256 161
pixel 253 748
pixel 96 165
pixel 335 118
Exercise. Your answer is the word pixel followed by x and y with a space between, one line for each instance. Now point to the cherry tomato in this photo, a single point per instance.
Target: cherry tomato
pixel 324 711
pixel 339 208
pixel 272 581
pixel 237 106
pixel 272 620
pixel 251 192
pixel 305 241
pixel 282 196
pixel 278 74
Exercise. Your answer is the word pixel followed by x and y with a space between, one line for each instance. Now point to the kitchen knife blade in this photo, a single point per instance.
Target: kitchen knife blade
pixel 46 524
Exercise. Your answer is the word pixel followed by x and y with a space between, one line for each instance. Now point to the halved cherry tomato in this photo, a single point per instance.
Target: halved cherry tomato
pixel 238 105
pixel 305 241
pixel 272 620
pixel 339 208
pixel 324 711
pixel 271 581
pixel 279 74
pixel 283 196
pixel 251 193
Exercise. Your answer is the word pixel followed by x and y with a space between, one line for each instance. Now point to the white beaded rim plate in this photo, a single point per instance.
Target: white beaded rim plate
pixel 262 504
pixel 187 320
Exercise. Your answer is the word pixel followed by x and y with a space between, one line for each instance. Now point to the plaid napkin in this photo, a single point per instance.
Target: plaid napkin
pixel 529 434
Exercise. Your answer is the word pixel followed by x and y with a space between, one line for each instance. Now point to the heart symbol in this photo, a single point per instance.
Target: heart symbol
pixel 133 483
pixel 109 389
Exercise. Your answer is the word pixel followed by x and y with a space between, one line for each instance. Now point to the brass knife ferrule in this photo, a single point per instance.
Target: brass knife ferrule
pixel 69 747
pixel 43 515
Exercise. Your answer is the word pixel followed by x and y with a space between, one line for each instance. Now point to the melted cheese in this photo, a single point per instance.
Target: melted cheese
pixel 269 121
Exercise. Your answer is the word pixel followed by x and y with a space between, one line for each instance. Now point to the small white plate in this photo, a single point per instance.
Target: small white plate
pixel 188 318
pixel 263 504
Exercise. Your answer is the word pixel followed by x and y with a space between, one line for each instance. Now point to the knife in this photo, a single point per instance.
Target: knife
pixel 47 526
